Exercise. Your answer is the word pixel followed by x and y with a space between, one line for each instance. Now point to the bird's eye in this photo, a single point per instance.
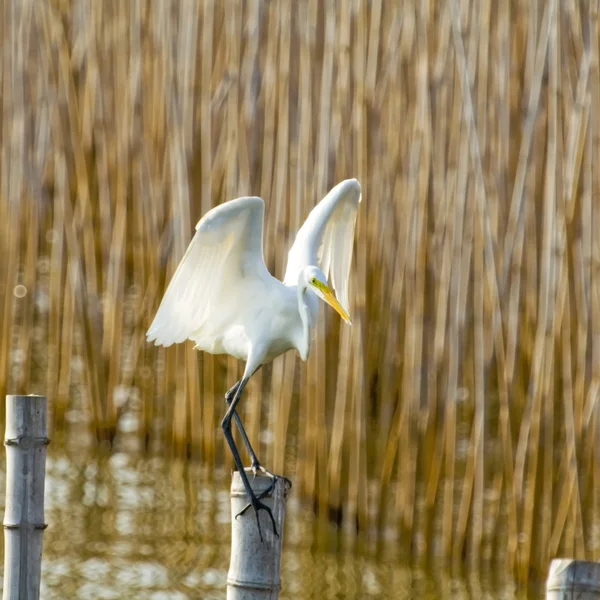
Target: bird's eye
pixel 313 280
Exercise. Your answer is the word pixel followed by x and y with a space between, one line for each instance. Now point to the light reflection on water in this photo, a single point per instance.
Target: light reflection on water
pixel 128 527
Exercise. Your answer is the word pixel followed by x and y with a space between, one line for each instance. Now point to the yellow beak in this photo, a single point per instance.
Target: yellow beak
pixel 329 297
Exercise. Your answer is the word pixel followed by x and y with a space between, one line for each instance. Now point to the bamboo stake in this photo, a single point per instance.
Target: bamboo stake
pixel 25 440
pixel 254 571
pixel 569 579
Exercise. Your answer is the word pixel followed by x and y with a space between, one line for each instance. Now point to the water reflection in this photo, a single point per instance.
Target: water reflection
pixel 128 527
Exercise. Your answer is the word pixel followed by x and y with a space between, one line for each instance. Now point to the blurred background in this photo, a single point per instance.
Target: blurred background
pixel 448 444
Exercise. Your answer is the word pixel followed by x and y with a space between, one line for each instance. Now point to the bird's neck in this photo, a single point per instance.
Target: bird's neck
pixel 308 308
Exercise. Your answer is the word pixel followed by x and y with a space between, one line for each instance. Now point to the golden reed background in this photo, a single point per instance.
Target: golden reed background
pixel 461 410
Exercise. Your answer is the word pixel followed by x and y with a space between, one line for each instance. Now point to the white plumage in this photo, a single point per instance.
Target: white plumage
pixel 223 297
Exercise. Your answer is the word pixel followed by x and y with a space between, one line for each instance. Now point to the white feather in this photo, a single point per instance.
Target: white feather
pixel 326 239
pixel 223 261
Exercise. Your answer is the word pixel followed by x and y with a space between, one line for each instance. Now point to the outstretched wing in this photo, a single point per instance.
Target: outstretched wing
pixel 327 237
pixel 224 256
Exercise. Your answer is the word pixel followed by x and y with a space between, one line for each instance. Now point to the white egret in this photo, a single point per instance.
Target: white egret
pixel 223 298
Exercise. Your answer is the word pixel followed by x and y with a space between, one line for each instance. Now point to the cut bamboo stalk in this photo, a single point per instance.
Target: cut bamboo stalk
pixel 26 438
pixel 569 579
pixel 254 570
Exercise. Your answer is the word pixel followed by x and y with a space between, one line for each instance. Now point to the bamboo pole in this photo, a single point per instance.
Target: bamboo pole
pixel 254 571
pixel 25 440
pixel 569 578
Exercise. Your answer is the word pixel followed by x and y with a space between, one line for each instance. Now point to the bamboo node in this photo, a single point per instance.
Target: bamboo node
pixel 26 442
pixel 38 526
pixel 253 585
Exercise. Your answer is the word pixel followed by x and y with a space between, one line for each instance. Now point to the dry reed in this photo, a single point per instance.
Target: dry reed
pixel 462 407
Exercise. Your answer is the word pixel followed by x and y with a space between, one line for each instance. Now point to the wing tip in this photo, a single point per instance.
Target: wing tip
pixel 352 184
pixel 229 205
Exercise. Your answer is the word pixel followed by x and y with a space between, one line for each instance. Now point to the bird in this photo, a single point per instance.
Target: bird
pixel 223 298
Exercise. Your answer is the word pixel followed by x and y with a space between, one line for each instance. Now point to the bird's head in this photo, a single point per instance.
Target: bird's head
pixel 316 282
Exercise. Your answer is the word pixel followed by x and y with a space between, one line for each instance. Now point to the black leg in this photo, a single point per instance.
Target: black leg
pixel 254 499
pixel 229 395
pixel 254 464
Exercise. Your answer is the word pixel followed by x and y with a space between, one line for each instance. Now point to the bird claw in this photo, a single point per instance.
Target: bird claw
pixel 256 467
pixel 256 504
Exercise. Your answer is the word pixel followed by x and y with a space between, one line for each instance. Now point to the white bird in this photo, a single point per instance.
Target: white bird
pixel 224 299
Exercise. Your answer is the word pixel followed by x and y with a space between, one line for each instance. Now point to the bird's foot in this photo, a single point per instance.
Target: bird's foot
pixel 256 467
pixel 256 504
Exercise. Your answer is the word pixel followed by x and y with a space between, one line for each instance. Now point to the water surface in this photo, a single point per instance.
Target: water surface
pixel 124 526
